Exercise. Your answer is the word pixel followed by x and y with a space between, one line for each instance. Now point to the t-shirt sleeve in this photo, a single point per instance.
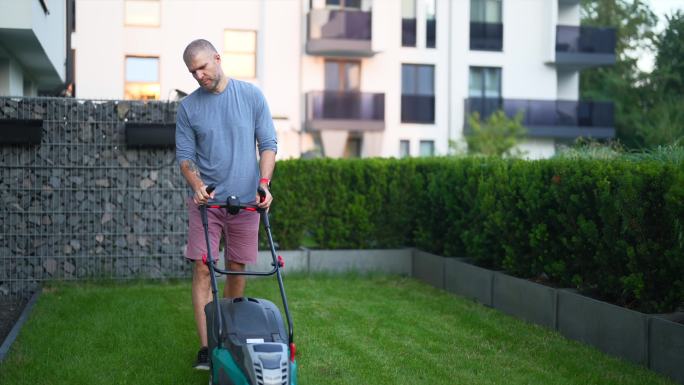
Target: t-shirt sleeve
pixel 263 122
pixel 185 137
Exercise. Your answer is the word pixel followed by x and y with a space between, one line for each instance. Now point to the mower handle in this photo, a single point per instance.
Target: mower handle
pixel 233 204
pixel 277 261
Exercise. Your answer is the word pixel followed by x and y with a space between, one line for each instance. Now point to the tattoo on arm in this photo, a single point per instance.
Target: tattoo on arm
pixel 190 166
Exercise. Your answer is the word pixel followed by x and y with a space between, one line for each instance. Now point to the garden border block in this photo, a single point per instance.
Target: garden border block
pixel 666 348
pixel 392 261
pixel 612 329
pixel 525 299
pixel 429 268
pixel 14 333
pixel 467 280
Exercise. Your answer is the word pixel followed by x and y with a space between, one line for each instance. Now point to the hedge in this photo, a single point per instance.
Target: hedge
pixel 612 229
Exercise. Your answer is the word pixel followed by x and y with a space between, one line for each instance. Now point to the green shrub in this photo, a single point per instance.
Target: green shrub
pixel 611 228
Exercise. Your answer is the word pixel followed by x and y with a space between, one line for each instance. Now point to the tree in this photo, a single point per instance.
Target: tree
pixel 621 83
pixel 663 118
pixel 498 135
pixel 668 74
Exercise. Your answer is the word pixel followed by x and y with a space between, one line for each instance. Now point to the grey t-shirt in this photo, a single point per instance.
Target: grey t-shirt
pixel 220 132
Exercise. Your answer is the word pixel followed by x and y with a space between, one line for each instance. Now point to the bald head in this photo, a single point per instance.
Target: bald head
pixel 197 46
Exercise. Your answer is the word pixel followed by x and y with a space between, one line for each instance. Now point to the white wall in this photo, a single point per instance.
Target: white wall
pixel 11 78
pixel 99 45
pixel 569 14
pixel 50 30
pixel 568 85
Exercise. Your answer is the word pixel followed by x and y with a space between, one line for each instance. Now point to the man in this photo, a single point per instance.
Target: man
pixel 217 129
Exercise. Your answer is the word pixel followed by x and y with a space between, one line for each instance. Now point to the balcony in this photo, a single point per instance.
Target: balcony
pixel 486 36
pixel 345 110
pixel 579 47
pixel 561 119
pixel 339 33
pixel 418 109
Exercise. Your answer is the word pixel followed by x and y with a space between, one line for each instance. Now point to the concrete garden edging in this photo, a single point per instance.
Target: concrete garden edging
pixel 14 333
pixel 666 348
pixel 649 340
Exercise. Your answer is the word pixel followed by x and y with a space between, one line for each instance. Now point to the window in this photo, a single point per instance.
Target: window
pixel 486 25
pixel 239 54
pixel 142 13
pixel 427 148
pixel 430 24
pixel 142 78
pixel 404 148
pixel 353 147
pixel 485 11
pixel 342 75
pixel 484 93
pixel 408 23
pixel 485 82
pixel 354 4
pixel 417 93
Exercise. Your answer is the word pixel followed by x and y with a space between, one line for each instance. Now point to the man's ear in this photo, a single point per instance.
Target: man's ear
pixel 217 57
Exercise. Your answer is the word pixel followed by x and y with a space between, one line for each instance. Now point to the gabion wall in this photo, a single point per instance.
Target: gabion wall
pixel 81 205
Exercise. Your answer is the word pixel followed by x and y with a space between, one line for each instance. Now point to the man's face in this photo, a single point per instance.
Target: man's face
pixel 205 67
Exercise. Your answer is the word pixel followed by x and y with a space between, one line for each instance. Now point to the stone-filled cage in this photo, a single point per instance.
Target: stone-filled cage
pixel 82 204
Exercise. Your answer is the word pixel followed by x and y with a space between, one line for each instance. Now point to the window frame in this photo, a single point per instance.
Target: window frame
pixel 126 81
pixel 431 142
pixel 225 53
pixel 137 25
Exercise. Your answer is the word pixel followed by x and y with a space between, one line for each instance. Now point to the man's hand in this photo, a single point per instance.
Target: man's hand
pixel 201 196
pixel 267 199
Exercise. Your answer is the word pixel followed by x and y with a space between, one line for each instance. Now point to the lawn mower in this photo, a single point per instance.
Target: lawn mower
pixel 247 340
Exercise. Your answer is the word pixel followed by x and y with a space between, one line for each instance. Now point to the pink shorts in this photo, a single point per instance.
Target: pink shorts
pixel 241 234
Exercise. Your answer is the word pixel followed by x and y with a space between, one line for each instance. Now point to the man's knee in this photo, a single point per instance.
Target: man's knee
pixel 200 271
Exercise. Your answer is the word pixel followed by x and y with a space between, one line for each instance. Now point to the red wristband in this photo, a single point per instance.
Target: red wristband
pixel 264 181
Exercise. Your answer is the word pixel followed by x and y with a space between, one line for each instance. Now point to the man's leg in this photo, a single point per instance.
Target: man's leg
pixel 241 233
pixel 201 280
pixel 235 284
pixel 201 296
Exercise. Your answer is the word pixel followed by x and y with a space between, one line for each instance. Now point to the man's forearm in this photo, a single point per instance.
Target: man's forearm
pixel 267 163
pixel 191 173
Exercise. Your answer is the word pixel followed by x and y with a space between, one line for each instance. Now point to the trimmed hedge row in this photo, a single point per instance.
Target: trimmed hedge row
pixel 613 229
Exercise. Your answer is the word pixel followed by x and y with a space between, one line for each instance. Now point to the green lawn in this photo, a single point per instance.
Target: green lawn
pixel 348 329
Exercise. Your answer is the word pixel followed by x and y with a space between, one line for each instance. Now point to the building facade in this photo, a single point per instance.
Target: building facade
pixel 362 78
pixel 34 46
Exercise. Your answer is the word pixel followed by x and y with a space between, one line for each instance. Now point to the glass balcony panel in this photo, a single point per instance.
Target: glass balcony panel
pixel 486 36
pixel 417 109
pixel 346 105
pixel 339 24
pixel 547 113
pixel 584 39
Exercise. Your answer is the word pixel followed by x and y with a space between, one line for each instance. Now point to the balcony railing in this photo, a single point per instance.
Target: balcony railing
pixel 418 109
pixel 486 36
pixel 343 32
pixel 585 46
pixel 552 118
pixel 345 110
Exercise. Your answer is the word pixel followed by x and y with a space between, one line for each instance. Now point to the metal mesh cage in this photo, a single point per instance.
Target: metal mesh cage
pixel 81 205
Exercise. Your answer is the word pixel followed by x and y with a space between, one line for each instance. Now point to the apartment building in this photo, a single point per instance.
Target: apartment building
pixel 34 47
pixel 362 78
